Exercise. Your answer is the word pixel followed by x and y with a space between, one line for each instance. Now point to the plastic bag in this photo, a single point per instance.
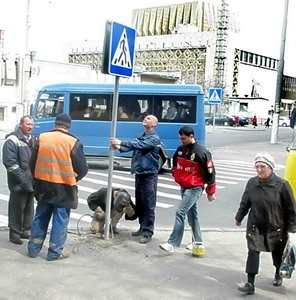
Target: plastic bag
pixel 288 260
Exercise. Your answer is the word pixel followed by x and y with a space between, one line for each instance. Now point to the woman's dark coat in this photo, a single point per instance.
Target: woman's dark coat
pixel 272 212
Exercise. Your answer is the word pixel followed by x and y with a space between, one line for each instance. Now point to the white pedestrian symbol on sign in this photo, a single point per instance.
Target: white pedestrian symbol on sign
pixel 122 56
pixel 215 96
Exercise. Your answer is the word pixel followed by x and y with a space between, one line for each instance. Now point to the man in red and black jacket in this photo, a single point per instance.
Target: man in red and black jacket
pixel 193 168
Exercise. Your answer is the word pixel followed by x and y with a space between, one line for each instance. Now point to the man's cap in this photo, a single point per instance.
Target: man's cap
pixel 265 158
pixel 121 200
pixel 63 119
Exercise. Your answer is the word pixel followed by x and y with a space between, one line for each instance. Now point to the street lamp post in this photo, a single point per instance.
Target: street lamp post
pixel 26 62
pixel 280 71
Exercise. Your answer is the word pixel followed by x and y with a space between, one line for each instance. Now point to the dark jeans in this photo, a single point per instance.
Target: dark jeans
pixel 252 265
pixel 20 212
pixel 60 219
pixel 146 186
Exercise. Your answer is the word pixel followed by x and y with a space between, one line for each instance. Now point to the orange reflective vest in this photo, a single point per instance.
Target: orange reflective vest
pixel 54 162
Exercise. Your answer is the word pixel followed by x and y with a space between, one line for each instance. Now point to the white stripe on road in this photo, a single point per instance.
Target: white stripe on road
pixel 4 197
pixel 84 218
pixel 128 187
pixel 173 187
pixel 226 181
pixel 230 177
pixel 232 173
pixel 90 190
pixel 3 220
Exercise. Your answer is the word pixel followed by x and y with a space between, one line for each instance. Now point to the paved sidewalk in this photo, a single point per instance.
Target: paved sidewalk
pixel 122 268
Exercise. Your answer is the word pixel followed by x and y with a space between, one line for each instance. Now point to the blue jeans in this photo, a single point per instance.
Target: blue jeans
pixel 146 186
pixel 59 230
pixel 188 205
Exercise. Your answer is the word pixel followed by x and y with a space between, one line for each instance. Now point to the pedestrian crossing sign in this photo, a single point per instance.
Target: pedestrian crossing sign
pixel 215 96
pixel 119 48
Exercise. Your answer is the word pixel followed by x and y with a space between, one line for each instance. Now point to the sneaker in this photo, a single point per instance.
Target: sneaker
pixel 62 256
pixel 137 233
pixel 189 246
pixel 277 281
pixel 248 289
pixel 167 247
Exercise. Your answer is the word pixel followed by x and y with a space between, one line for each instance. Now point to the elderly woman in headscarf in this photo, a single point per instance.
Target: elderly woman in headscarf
pixel 272 214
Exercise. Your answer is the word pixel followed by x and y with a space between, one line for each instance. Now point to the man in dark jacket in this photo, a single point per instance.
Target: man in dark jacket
pixel 17 151
pixel 145 165
pixel 193 168
pixel 121 204
pixel 272 214
pixel 58 162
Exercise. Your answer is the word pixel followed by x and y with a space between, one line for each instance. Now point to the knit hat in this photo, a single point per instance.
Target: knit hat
pixel 265 158
pixel 122 199
pixel 63 119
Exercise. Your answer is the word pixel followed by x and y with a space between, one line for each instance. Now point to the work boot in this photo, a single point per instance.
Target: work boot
pixel 137 233
pixel 25 235
pixel 60 257
pixel 115 230
pixel 145 239
pixel 15 238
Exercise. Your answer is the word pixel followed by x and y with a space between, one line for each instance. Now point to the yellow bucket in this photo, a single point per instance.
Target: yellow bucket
pixel 198 250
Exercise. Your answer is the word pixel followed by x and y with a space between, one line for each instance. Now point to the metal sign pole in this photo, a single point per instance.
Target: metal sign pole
pixel 214 117
pixel 111 158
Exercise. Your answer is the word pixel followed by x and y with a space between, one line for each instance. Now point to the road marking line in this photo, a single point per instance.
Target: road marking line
pixel 230 177
pixel 3 220
pixel 231 173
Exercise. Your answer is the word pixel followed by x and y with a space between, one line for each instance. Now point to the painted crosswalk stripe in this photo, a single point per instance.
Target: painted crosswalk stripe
pixel 230 177
pixel 4 197
pixel 133 180
pixel 232 173
pixel 90 190
pixel 3 220
pixel 85 218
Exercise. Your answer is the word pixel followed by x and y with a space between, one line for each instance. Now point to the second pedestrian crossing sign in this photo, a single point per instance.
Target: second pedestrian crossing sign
pixel 215 96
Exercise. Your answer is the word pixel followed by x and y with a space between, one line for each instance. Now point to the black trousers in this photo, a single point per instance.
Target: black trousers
pixel 146 185
pixel 252 265
pixel 20 212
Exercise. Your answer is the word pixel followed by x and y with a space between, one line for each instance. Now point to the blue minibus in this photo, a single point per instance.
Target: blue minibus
pixel 90 105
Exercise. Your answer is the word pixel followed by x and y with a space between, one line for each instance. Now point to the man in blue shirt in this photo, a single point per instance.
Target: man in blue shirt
pixel 145 166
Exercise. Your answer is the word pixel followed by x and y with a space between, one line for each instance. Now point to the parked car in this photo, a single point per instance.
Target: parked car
pixel 226 120
pixel 242 121
pixel 284 121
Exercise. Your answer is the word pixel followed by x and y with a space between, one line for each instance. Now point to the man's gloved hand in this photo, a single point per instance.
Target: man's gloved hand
pixel 129 211
pixel 100 213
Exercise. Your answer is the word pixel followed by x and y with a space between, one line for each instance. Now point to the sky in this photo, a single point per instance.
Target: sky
pixel 57 24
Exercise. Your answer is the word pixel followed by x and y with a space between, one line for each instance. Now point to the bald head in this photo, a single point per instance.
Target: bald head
pixel 150 122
